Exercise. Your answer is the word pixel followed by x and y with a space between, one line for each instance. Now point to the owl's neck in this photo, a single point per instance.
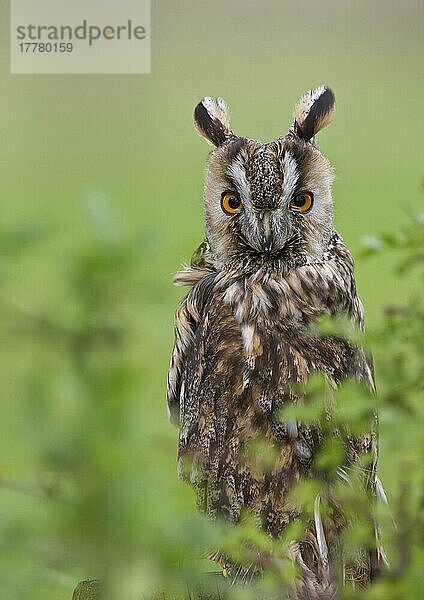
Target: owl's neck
pixel 296 253
pixel 296 294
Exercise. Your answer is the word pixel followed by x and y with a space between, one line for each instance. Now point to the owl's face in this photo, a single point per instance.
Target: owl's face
pixel 268 204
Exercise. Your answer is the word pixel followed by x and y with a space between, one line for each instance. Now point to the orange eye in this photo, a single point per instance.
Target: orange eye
pixel 302 202
pixel 231 203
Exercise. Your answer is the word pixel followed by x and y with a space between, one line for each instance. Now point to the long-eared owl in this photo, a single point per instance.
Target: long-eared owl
pixel 271 264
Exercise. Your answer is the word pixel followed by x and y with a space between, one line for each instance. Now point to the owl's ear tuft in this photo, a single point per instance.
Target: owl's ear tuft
pixel 212 120
pixel 314 111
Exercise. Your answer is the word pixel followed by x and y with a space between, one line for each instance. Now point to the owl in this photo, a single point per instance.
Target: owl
pixel 271 265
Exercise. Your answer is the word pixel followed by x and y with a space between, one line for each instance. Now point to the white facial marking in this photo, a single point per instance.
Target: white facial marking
pixel 238 174
pixel 291 174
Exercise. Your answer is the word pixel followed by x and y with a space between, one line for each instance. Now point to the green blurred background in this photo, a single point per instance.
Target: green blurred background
pixel 101 185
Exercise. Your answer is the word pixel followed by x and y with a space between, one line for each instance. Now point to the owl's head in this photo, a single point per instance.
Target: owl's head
pixel 270 203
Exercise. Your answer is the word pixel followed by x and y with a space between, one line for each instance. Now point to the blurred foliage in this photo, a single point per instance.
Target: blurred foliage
pixel 83 490
pixel 88 481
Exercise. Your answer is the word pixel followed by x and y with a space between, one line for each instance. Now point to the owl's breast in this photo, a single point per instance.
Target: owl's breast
pixel 237 372
pixel 249 347
pixel 250 342
pixel 234 383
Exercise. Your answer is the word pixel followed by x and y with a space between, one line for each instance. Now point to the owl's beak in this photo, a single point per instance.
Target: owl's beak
pixel 272 230
pixel 266 243
pixel 266 237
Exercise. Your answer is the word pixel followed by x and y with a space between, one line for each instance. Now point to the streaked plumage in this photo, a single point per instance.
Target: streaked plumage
pixel 264 274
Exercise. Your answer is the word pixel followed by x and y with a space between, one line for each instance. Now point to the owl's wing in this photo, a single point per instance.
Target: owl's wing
pixel 187 318
pixel 185 325
pixel 365 370
pixel 368 443
pixel 365 363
